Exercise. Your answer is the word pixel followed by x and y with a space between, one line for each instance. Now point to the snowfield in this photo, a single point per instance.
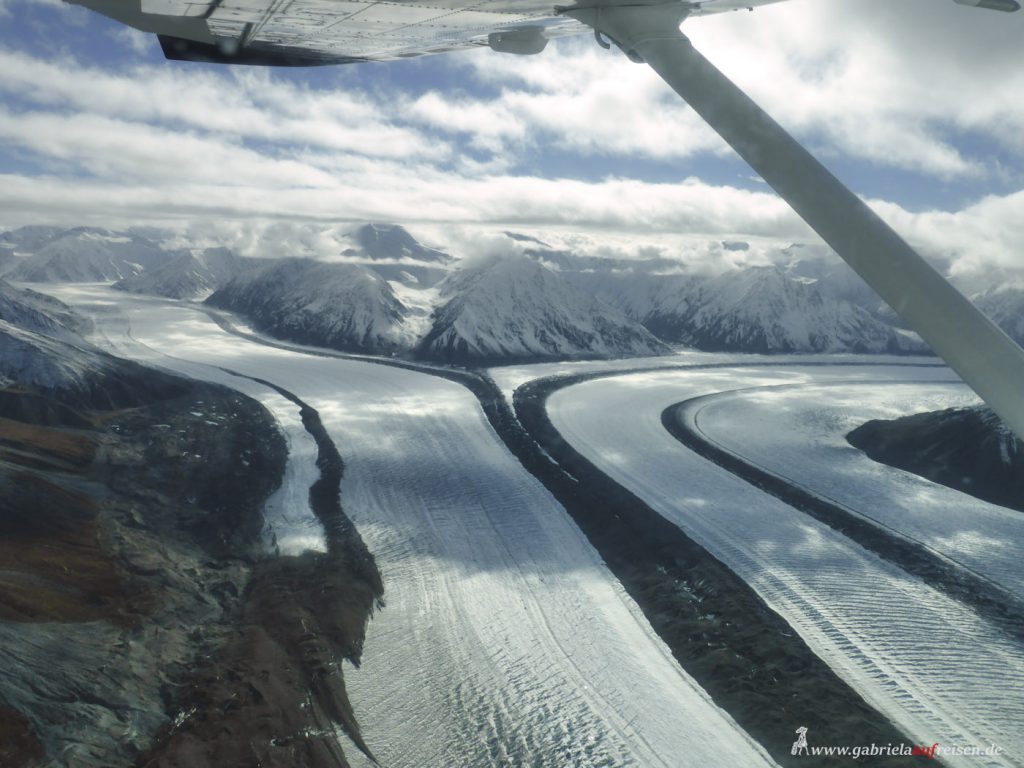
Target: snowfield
pixel 925 660
pixel 511 377
pixel 505 640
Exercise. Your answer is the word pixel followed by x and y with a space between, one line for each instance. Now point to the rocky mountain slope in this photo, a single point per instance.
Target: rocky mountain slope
pixel 83 254
pixel 39 313
pixel 41 349
pixel 384 242
pixel 964 448
pixel 7 258
pixel 762 309
pixel 343 306
pixel 394 254
pixel 141 619
pixel 1006 308
pixel 513 308
pixel 192 274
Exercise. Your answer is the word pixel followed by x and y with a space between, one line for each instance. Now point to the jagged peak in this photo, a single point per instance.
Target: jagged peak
pixel 392 241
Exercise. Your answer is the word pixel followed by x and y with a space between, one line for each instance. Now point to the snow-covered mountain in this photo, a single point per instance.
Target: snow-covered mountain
pixel 807 301
pixel 40 345
pixel 40 361
pixel 41 314
pixel 810 301
pixel 389 242
pixel 832 276
pixel 83 254
pixel 28 240
pixel 394 254
pixel 756 309
pixel 761 309
pixel 343 306
pixel 42 351
pixel 192 274
pixel 1006 308
pixel 512 308
pixel 635 292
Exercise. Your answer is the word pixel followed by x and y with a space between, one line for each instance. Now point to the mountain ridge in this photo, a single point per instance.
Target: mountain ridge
pixel 190 275
pixel 802 301
pixel 512 308
pixel 342 306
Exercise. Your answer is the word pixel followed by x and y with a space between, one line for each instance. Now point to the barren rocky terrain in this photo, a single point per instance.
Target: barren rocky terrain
pixel 141 621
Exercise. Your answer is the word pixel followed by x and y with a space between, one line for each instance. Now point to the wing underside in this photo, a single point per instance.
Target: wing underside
pixel 311 32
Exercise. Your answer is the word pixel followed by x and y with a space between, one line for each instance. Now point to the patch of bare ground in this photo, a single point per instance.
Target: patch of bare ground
pixel 70 449
pixel 275 694
pixel 141 620
pixel 52 567
pixel 18 743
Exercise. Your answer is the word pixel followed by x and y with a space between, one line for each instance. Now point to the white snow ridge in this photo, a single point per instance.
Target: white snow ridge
pixel 762 309
pixel 512 308
pixel 83 254
pixel 343 306
pixel 190 275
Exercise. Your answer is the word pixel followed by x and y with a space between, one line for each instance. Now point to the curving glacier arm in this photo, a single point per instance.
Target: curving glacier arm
pixel 985 357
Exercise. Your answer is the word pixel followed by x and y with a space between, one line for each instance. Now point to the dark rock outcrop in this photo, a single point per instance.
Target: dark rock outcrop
pixel 968 449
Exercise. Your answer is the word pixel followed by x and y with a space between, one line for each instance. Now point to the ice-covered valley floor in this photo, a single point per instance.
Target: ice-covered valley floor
pixel 799 433
pixel 505 640
pixel 927 661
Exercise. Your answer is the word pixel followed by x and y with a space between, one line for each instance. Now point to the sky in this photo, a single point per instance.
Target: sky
pixel 916 104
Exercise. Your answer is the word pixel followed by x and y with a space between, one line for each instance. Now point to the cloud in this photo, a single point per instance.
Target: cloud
pixel 577 98
pixel 877 84
pixel 5 5
pixel 891 83
pixel 139 42
pixel 888 82
pixel 985 235
pixel 621 205
pixel 240 104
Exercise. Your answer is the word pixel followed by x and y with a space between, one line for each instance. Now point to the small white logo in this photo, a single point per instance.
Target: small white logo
pixel 800 745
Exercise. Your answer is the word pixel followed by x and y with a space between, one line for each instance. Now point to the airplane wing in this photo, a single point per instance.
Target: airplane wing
pixel 315 32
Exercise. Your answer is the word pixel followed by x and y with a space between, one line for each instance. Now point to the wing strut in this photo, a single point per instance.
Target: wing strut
pixel 975 347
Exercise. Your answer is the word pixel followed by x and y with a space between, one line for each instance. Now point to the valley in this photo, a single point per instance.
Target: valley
pixel 498 611
pixel 479 471
pixel 923 659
